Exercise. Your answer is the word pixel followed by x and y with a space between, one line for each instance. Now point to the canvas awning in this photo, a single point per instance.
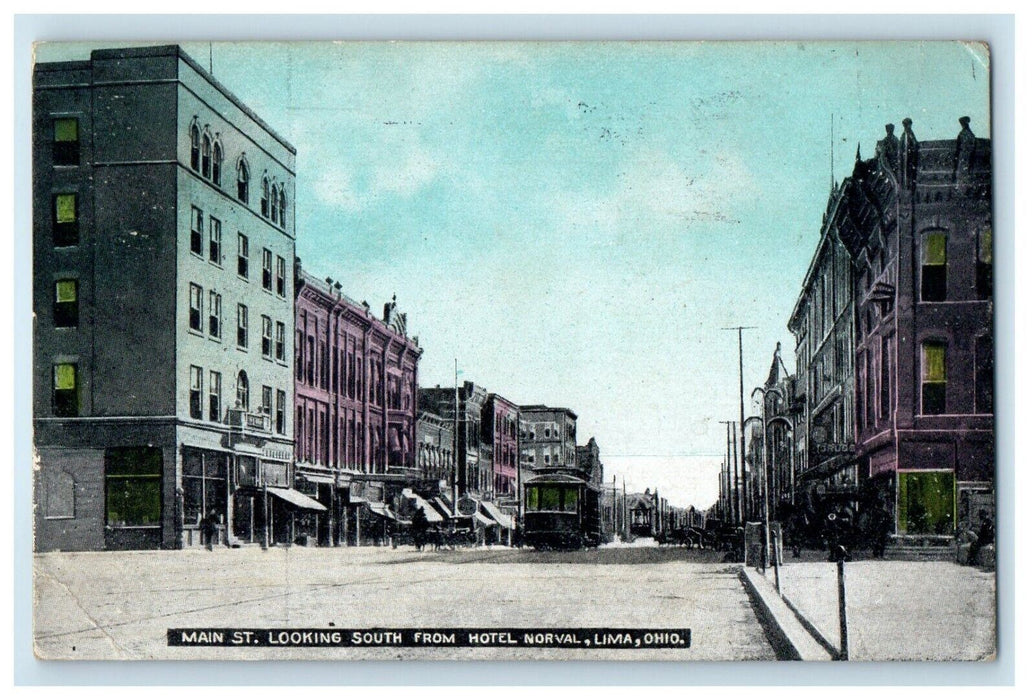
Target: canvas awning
pixel 297 499
pixel 318 478
pixel 498 515
pixel 486 522
pixel 430 513
pixel 443 507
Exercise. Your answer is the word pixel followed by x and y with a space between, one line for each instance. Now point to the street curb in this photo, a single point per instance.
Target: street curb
pixel 791 640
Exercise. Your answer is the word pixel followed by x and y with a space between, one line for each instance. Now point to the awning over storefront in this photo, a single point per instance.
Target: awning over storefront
pixel 443 506
pixel 299 500
pixel 486 522
pixel 504 520
pixel 430 513
pixel 385 512
pixel 318 478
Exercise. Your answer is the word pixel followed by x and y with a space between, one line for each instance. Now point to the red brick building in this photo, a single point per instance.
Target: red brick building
pixel 355 409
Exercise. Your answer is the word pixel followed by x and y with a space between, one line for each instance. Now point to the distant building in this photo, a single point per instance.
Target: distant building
pixel 435 445
pixel 588 459
pixel 500 433
pixel 917 222
pixel 163 234
pixel 355 409
pixel 550 439
pixel 464 405
pixel 823 323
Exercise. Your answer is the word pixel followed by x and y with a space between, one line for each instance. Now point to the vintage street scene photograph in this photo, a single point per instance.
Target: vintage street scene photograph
pixel 650 350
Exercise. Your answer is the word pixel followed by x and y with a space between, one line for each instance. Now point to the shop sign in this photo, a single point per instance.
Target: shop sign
pixel 467 506
pixel 275 474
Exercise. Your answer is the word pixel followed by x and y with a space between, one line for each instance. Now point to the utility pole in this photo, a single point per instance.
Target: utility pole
pixel 735 500
pixel 741 394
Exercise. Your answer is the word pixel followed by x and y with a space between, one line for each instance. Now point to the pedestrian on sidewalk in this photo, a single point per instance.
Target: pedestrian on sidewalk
pixel 984 537
pixel 208 529
pixel 880 526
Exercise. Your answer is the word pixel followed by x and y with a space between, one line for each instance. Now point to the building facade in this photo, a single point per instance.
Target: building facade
pixel 355 407
pixel 163 231
pixel 917 221
pixel 464 406
pixel 500 432
pixel 825 465
pixel 435 445
pixel 549 442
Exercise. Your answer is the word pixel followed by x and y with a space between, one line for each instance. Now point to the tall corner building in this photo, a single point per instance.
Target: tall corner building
pixel 163 248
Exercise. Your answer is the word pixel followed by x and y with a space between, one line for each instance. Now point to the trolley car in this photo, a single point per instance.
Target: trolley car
pixel 561 512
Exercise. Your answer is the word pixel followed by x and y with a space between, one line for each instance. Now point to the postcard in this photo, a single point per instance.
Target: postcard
pixel 513 350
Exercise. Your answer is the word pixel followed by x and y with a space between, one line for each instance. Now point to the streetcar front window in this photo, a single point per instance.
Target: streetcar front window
pixel 532 498
pixel 571 501
pixel 550 498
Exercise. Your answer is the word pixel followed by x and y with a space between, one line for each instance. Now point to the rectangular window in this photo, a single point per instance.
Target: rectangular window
pixel 267 269
pixel 197 228
pixel 242 255
pixel 267 328
pixel 933 267
pixel 66 390
pixel 933 378
pixel 133 486
pixel 215 241
pixel 279 342
pixel 196 390
pixel 984 374
pixel 66 220
pixel 242 326
pixel 926 503
pixel 66 304
pixel 215 397
pixel 281 275
pixel 66 141
pixel 984 265
pixel 266 408
pixel 195 308
pixel 215 315
pixel 281 401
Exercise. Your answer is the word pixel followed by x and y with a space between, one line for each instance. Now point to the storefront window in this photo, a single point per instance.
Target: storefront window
pixel 926 503
pixel 133 485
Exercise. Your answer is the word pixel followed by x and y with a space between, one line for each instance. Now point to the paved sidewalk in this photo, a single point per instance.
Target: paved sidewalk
pixel 899 610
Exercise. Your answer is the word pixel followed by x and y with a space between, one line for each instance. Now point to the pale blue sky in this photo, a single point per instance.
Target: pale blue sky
pixel 576 222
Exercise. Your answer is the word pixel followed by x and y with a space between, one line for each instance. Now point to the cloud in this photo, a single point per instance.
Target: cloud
pixel 415 170
pixel 333 186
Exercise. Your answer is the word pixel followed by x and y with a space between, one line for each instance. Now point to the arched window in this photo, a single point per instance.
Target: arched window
pixel 933 266
pixel 206 155
pixel 217 162
pixel 274 215
pixel 264 202
pixel 195 147
pixel 242 180
pixel 242 390
pixel 281 195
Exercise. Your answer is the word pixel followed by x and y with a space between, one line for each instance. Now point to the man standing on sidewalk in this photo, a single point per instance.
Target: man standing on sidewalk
pixel 985 537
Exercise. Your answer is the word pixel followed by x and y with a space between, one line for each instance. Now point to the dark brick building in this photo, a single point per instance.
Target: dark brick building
pixel 916 219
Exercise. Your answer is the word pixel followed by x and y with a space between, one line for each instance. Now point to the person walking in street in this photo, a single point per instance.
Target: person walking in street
pixel 418 527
